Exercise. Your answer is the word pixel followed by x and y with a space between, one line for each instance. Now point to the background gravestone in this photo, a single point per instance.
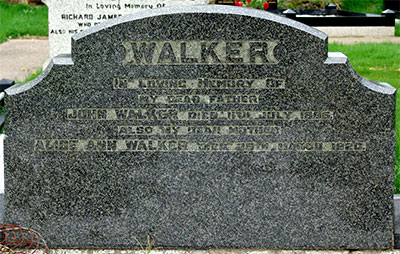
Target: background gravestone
pixel 391 4
pixel 205 127
pixel 67 18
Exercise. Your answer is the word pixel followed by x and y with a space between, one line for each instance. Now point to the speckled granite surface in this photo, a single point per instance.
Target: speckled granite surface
pixel 205 127
pixel 397 221
pixel 219 251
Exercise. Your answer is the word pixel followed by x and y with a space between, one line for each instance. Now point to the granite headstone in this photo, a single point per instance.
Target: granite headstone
pixel 397 221
pixel 67 18
pixel 204 127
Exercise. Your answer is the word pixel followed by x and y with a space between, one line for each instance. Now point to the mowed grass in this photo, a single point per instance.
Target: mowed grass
pixel 379 62
pixel 31 77
pixel 366 6
pixel 17 20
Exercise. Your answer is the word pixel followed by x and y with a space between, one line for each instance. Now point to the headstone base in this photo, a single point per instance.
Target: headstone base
pixel 357 31
pixel 218 251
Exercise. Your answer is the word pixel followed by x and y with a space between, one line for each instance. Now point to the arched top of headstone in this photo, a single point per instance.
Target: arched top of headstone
pixel 203 9
pixel 199 37
pixel 211 23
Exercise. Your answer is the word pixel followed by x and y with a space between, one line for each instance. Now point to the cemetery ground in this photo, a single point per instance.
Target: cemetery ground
pixel 17 20
pixel 375 61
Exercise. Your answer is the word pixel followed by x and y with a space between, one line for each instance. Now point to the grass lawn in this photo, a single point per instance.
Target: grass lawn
pixel 380 62
pixel 34 75
pixel 369 6
pixel 17 20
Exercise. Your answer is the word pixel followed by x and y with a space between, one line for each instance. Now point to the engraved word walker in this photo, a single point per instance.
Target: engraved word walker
pixel 199 52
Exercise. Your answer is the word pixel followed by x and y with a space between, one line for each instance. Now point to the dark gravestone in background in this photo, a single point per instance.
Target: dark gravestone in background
pixel 205 127
pixel 392 5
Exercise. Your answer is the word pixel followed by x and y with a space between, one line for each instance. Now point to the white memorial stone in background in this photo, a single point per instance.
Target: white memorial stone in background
pixel 67 18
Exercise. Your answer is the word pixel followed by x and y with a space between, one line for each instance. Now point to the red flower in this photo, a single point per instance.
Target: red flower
pixel 266 5
pixel 249 1
pixel 240 4
pixel 237 3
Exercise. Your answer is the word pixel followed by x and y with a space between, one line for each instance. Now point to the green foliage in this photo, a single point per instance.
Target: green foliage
pixel 149 245
pixel 31 77
pixel 369 6
pixel 17 20
pixel 397 30
pixel 307 4
pixel 366 6
pixel 257 4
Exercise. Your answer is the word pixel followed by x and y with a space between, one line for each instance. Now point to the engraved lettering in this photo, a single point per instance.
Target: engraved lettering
pixel 135 55
pixel 184 58
pixel 52 145
pixel 201 83
pixel 71 16
pixel 199 52
pixel 167 54
pixel 182 145
pixel 86 114
pixel 233 52
pixel 263 50
pixel 207 52
pixel 198 130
